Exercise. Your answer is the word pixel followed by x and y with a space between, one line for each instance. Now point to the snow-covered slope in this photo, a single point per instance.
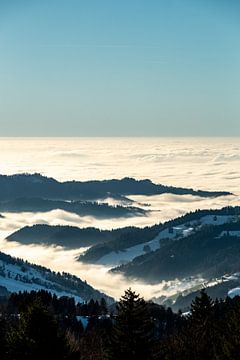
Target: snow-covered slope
pixel 234 292
pixel 17 275
pixel 116 258
pixel 235 233
pixel 217 220
pixel 121 257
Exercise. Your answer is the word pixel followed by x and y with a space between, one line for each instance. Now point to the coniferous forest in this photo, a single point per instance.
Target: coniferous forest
pixel 39 325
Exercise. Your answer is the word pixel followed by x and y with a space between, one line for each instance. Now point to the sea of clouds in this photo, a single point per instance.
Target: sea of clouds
pixel 200 163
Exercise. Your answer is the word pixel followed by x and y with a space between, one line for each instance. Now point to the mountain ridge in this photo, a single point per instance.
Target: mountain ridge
pixel 28 185
pixel 19 275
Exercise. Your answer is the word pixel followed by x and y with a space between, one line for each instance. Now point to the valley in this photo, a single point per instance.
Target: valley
pixel 149 257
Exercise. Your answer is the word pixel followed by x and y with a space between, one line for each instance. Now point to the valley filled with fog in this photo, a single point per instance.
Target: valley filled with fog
pixel 200 163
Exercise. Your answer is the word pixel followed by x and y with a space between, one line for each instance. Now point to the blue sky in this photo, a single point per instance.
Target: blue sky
pixel 119 68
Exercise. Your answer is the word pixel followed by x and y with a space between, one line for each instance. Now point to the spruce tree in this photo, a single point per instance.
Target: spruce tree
pixel 103 306
pixel 201 308
pixel 231 342
pixel 133 329
pixel 204 328
pixel 36 336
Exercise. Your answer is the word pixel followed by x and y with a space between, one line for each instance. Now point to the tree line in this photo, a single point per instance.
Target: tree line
pixel 38 325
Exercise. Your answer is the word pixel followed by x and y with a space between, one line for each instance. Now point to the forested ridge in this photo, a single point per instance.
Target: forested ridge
pixel 128 237
pixel 19 272
pixel 22 185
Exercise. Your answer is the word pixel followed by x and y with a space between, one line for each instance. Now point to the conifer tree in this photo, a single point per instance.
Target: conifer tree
pixel 204 328
pixel 201 308
pixel 35 336
pixel 231 343
pixel 133 330
pixel 103 306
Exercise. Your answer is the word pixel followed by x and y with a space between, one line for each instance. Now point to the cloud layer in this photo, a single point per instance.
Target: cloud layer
pixel 208 164
pixel 58 259
pixel 199 162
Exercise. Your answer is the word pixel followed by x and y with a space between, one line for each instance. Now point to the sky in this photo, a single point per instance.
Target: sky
pixel 119 68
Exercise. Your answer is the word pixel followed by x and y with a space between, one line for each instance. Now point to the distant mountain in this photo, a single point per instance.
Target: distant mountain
pixel 18 275
pixel 208 246
pixel 81 208
pixel 66 236
pixel 36 185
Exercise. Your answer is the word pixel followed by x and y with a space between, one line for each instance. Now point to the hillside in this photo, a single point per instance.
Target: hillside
pixel 81 208
pixel 141 241
pixel 36 185
pixel 212 249
pixel 18 275
pixel 123 247
pixel 229 286
pixel 66 236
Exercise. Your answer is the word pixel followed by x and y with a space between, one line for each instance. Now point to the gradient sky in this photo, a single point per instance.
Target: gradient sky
pixel 119 68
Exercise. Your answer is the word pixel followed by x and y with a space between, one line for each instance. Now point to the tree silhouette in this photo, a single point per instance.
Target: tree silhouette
pixel 133 330
pixel 36 336
pixel 204 328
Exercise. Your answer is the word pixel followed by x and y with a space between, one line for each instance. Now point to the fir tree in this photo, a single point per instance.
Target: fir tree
pixel 103 306
pixel 133 330
pixel 203 327
pixel 231 343
pixel 35 336
pixel 201 308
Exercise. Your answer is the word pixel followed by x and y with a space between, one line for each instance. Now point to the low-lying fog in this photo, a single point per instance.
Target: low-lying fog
pixel 161 208
pixel 207 164
pixel 59 259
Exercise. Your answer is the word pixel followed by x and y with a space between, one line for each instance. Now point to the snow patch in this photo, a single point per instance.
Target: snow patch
pixel 25 278
pixel 234 292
